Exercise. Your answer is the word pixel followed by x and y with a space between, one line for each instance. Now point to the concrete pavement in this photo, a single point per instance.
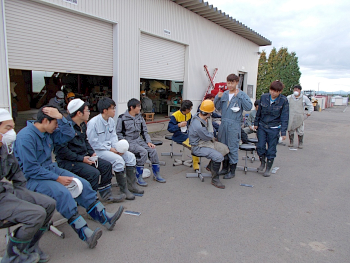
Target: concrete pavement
pixel 299 214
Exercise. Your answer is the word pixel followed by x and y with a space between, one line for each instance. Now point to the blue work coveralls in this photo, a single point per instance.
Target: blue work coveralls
pixel 33 151
pixel 230 127
pixel 271 119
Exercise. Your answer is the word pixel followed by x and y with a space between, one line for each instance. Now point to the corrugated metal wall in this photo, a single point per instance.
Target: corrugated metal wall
pixel 4 75
pixel 208 43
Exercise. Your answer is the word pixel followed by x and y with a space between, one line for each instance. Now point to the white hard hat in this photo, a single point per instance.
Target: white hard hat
pixel 5 115
pixel 122 146
pixel 74 105
pixel 75 187
pixel 146 173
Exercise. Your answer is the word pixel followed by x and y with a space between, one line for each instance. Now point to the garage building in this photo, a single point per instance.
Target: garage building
pixel 118 47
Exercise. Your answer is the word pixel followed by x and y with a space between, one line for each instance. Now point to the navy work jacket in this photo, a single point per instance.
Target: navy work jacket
pixel 274 114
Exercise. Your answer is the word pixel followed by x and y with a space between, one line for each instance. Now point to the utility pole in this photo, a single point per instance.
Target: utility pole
pixel 318 92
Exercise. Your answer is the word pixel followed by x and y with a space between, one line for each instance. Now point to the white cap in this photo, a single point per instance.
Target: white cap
pixel 75 187
pixel 74 105
pixel 5 115
pixel 60 94
pixel 122 146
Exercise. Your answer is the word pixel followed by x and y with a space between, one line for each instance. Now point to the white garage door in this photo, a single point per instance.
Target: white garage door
pixel 45 38
pixel 161 58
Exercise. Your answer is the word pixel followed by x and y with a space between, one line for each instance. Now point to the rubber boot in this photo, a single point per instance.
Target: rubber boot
pixel 15 251
pixel 34 245
pixel 156 175
pixel 195 162
pixel 300 137
pixel 131 180
pixel 98 212
pixel 291 139
pixel 108 197
pixel 269 164
pixel 232 172
pixel 139 172
pixel 262 163
pixel 225 166
pixel 78 223
pixel 121 179
pixel 215 180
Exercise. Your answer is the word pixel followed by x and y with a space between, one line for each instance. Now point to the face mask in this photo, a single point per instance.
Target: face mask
pixel 7 139
pixel 296 93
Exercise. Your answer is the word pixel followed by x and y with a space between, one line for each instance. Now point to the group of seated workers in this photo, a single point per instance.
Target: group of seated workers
pixel 87 152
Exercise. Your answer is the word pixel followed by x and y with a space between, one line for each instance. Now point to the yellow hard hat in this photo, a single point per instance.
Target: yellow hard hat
pixel 70 94
pixel 207 106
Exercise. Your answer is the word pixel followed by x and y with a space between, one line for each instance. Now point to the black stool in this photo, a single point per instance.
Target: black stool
pixel 198 173
pixel 171 153
pixel 7 224
pixel 253 158
pixel 247 148
pixel 156 143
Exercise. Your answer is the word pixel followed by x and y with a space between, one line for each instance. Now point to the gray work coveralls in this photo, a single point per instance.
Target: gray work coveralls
pixel 134 130
pixel 197 132
pixel 230 127
pixel 17 203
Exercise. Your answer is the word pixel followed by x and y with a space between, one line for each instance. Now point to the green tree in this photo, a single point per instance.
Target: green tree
pixel 281 66
pixel 262 83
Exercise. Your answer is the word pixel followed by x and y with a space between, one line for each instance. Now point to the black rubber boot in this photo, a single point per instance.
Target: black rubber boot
pixel 34 245
pixel 225 166
pixel 78 223
pixel 108 197
pixel 131 180
pixel 121 179
pixel 291 139
pixel 215 180
pixel 300 137
pixel 15 252
pixel 232 172
pixel 262 163
pixel 98 212
pixel 269 164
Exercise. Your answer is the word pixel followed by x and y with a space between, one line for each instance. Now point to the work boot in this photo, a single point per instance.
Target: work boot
pixel 300 137
pixel 291 139
pixel 225 166
pixel 156 175
pixel 139 172
pixel 262 163
pixel 98 212
pixel 269 164
pixel 215 179
pixel 107 196
pixel 34 245
pixel 232 172
pixel 121 179
pixel 78 223
pixel 15 251
pixel 131 180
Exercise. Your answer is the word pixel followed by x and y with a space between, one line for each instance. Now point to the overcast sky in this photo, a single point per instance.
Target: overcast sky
pixel 317 31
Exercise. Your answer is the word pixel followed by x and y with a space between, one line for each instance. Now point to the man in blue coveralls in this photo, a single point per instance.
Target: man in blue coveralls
pixel 232 102
pixel 33 149
pixel 271 119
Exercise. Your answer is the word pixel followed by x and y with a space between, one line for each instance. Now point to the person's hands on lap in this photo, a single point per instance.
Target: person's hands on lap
pixel 64 180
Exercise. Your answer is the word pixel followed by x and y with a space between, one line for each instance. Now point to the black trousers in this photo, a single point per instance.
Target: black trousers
pixel 29 208
pixel 99 178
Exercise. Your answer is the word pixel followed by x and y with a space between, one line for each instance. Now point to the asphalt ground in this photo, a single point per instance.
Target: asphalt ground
pixel 299 214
